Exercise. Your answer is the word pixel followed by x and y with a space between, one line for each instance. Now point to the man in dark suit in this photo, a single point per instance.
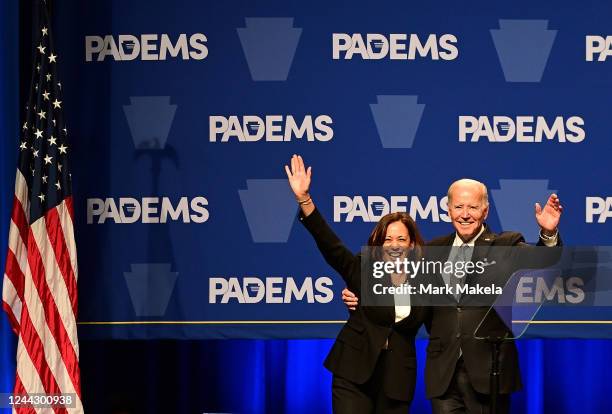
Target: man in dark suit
pixel 458 365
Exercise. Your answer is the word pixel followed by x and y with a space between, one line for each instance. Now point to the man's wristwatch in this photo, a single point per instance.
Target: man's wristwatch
pixel 547 238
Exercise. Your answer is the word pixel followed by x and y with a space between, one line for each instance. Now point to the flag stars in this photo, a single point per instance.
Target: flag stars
pixel 33 128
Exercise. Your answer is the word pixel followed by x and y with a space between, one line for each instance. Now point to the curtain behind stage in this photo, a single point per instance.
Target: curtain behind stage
pixel 278 376
pixel 255 376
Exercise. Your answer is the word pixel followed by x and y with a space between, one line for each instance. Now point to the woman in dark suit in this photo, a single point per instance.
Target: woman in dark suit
pixel 373 360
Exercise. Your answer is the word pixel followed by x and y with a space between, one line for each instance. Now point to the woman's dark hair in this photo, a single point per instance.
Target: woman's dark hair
pixel 377 238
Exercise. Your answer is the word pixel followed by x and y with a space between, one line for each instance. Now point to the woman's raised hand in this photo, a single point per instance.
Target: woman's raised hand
pixel 299 177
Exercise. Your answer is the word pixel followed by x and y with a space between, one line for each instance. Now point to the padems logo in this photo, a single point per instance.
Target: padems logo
pixel 145 47
pixel 274 128
pixel 269 290
pixel 395 46
pixel 520 129
pixel 372 208
pixel 126 210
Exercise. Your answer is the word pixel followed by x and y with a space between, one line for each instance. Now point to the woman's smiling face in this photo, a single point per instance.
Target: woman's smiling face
pixel 397 241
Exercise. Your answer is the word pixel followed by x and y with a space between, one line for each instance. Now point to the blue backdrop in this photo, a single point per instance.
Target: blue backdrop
pixel 184 118
pixel 142 128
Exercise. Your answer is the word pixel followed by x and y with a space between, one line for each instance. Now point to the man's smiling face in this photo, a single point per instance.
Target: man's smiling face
pixel 468 208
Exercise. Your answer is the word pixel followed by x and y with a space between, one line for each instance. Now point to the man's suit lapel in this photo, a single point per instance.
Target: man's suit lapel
pixel 443 246
pixel 483 244
pixel 481 249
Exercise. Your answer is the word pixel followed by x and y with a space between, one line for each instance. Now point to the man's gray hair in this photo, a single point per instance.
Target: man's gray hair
pixel 470 181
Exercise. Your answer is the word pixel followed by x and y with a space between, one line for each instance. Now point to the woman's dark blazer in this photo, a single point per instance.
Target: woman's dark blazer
pixel 363 337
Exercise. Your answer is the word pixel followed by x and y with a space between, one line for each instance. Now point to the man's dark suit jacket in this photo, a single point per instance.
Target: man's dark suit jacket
pixel 361 340
pixel 452 328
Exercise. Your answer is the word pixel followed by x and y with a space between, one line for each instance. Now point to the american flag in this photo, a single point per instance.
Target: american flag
pixel 39 290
